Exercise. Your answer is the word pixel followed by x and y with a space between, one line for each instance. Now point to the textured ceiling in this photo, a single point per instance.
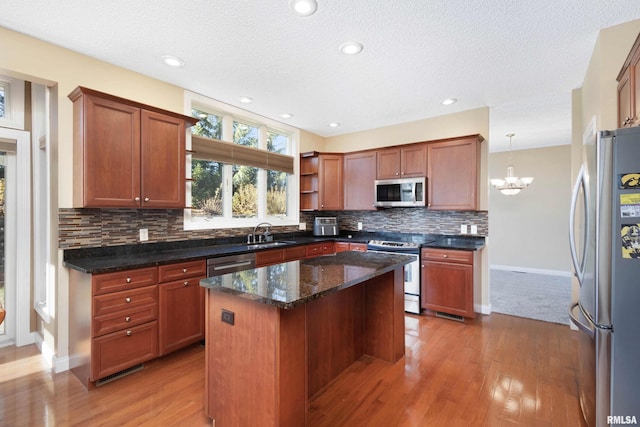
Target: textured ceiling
pixel 522 59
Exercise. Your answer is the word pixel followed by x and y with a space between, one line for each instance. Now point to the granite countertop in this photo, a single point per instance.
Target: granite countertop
pixel 110 259
pixel 290 284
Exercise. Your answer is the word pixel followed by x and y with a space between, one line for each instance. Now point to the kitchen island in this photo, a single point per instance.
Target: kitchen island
pixel 277 335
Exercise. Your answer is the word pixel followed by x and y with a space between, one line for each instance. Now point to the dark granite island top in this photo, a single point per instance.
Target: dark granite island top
pixel 290 284
pixel 275 336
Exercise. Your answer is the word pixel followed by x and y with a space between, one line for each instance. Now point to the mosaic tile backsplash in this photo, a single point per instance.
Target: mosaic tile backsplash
pixel 82 228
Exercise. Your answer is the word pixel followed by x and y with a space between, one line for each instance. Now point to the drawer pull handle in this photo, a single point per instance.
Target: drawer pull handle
pixel 146 199
pixel 186 283
pixel 128 279
pixel 129 333
pixel 127 300
pixel 127 319
pixel 137 199
pixel 445 256
pixel 184 270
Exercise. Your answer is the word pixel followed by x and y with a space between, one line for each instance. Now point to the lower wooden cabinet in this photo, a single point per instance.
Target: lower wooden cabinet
pixel 181 314
pixel 123 349
pixel 180 305
pixel 348 246
pixel 448 281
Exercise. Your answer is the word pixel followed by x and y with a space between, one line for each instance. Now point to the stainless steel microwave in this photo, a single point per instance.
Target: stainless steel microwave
pixel 401 192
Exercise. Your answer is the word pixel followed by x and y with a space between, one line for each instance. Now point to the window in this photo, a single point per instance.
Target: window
pixel 235 187
pixel 11 103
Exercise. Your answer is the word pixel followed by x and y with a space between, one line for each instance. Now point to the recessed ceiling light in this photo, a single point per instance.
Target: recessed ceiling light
pixel 351 48
pixel 303 7
pixel 334 124
pixel 173 61
pixel 449 101
pixel 246 99
pixel 286 115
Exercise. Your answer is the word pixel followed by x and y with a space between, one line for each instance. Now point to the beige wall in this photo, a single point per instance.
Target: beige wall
pixel 529 230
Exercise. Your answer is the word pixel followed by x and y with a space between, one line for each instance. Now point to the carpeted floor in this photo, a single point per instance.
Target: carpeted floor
pixel 534 296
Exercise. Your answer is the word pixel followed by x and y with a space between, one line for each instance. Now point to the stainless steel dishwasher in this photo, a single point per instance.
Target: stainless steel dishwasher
pixel 229 264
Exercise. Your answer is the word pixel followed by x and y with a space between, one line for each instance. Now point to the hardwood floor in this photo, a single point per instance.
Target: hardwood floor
pixel 498 371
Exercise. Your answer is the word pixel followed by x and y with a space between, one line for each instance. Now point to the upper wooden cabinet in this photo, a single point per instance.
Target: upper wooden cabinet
pixel 321 181
pixel 359 177
pixel 127 154
pixel 629 88
pixel 453 167
pixel 402 161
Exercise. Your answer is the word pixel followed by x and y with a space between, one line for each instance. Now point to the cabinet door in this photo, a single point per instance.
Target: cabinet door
pixel 625 107
pixel 330 190
pixel 268 257
pixel 341 246
pixel 123 349
pixel 452 179
pixel 163 161
pixel 181 314
pixel 448 288
pixel 388 163
pixel 359 177
pixel 107 154
pixel 413 161
pixel 314 249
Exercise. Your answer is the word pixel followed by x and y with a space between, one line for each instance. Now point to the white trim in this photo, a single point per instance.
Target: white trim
pixel 482 309
pixel 14 103
pixel 57 365
pixel 531 270
pixel 23 336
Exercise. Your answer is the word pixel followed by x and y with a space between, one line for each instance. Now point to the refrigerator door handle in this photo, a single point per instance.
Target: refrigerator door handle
pixel 581 326
pixel 578 264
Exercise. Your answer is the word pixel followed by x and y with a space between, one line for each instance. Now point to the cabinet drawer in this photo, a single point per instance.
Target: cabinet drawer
pixel 314 249
pixel 448 255
pixel 274 256
pixel 294 253
pixel 341 246
pixel 182 270
pixel 328 248
pixel 134 316
pixel 360 247
pixel 122 280
pixel 123 349
pixel 125 300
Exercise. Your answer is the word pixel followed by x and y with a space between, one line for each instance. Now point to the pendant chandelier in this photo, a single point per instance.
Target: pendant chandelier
pixel 511 185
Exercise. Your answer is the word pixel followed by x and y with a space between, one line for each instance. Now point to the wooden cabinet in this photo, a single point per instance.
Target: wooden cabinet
pixel 124 327
pixel 359 177
pixel 448 281
pixel 402 161
pixel 313 250
pixel 453 168
pixel 293 253
pixel 127 154
pixel 629 88
pixel 320 181
pixel 268 257
pixel 350 246
pixel 181 305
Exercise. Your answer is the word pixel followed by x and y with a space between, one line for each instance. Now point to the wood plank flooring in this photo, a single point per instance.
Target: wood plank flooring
pixel 499 371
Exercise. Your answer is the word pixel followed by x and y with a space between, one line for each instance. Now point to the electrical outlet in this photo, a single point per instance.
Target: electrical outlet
pixel 474 229
pixel 228 316
pixel 359 226
pixel 463 229
pixel 144 234
pixel 302 226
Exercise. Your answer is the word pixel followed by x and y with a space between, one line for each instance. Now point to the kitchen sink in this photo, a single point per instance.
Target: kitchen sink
pixel 264 245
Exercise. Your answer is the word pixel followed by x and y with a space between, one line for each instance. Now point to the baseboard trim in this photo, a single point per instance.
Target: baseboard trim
pixel 482 309
pixel 56 364
pixel 531 270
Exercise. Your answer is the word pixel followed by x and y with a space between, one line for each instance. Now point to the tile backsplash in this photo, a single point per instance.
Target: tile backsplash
pixel 79 228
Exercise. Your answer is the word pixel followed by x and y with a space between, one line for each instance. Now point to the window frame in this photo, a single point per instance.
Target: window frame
pixel 230 114
pixel 13 103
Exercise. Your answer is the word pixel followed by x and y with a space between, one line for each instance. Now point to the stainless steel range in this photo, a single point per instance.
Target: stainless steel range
pixel 411 270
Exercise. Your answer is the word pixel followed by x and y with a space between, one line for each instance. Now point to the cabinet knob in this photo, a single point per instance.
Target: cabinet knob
pixel 127 319
pixel 146 199
pixel 401 173
pixel 397 174
pixel 137 199
pixel 186 283
pixel 128 279
pixel 129 333
pixel 127 300
pixel 445 256
pixel 184 270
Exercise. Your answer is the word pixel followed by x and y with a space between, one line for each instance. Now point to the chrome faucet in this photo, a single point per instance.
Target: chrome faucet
pixel 266 234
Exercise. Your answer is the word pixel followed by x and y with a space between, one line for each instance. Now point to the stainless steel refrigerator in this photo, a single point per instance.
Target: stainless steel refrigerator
pixel 605 250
